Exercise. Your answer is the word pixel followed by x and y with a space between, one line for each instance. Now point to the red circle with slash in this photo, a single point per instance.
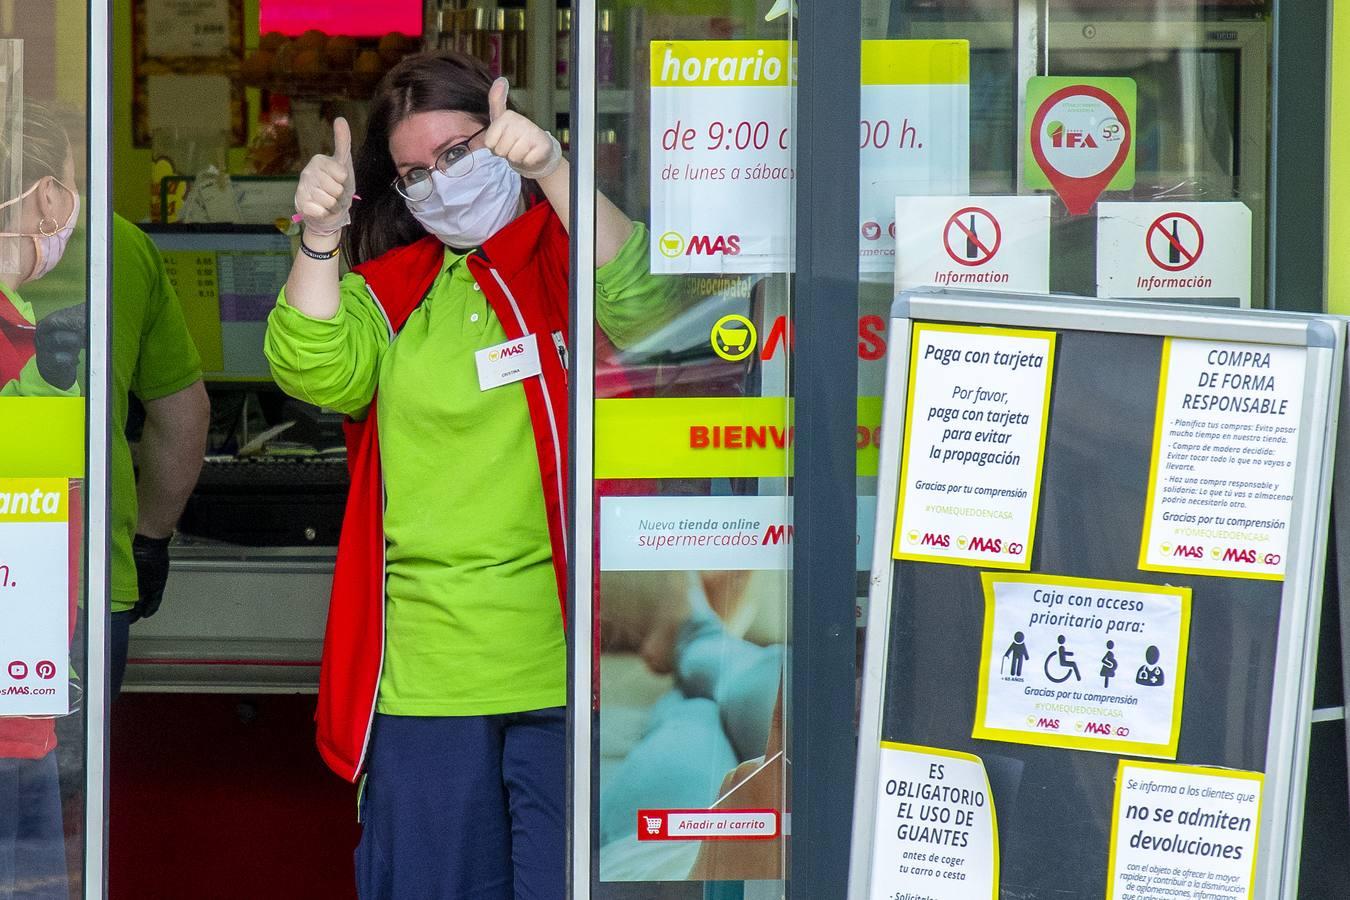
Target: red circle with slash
pixel 1188 258
pixel 985 250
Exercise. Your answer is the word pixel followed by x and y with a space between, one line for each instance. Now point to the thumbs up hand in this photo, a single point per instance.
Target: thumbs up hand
pixel 527 148
pixel 323 198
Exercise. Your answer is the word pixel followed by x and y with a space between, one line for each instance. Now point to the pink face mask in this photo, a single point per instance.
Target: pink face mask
pixel 48 245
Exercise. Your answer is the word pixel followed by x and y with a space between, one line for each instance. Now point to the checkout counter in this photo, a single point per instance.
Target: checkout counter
pixel 252 565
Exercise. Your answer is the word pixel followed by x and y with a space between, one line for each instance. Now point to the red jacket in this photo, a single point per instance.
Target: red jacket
pixel 16 341
pixel 33 737
pixel 523 272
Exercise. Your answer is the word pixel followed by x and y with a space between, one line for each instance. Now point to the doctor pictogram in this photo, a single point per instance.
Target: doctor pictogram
pixel 1174 241
pixel 972 236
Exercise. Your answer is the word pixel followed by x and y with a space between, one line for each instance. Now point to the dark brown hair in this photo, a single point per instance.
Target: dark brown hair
pixel 442 80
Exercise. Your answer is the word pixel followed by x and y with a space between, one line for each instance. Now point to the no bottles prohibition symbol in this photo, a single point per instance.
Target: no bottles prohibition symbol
pixel 972 236
pixel 1170 246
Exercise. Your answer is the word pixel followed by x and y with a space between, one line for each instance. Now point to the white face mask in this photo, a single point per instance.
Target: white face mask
pixel 47 248
pixel 466 210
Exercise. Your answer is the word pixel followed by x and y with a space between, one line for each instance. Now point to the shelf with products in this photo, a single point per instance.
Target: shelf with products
pixel 609 101
pixel 321 66
pixel 530 43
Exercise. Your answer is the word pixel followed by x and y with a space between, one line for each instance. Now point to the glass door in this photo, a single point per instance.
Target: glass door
pixel 728 387
pixel 684 434
pixel 53 453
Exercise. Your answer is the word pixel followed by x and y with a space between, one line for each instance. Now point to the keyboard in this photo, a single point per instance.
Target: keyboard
pixel 269 501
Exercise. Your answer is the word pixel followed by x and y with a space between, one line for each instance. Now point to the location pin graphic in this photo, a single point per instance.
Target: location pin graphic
pixel 1078 157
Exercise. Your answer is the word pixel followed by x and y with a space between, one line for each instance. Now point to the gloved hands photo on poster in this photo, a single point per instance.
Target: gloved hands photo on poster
pixel 691 768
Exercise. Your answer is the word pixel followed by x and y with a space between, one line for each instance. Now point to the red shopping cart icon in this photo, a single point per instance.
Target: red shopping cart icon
pixel 651 825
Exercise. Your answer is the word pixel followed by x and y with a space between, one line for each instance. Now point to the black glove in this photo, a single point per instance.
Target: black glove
pixel 60 338
pixel 152 571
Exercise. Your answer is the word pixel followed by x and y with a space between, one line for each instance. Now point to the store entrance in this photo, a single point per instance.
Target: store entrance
pixel 725 363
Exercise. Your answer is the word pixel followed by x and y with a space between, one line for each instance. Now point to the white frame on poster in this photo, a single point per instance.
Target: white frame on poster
pixel 98 411
pixel 1289 730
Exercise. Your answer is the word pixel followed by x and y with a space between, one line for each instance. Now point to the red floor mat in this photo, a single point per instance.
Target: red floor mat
pixel 217 796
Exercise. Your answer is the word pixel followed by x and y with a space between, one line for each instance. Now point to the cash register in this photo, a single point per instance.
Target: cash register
pixel 275 474
pixel 252 564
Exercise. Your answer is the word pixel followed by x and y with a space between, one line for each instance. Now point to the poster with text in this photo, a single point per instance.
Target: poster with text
pixel 1225 447
pixel 721 156
pixel 935 833
pixel 991 243
pixel 1083 664
pixel 34 597
pixel 1183 831
pixel 914 136
pixel 970 475
pixel 1175 251
pixel 722 148
pixel 712 437
pixel 654 534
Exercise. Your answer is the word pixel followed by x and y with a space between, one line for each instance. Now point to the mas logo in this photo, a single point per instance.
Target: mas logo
pixel 506 352
pixel 673 245
pixel 935 540
pixel 714 245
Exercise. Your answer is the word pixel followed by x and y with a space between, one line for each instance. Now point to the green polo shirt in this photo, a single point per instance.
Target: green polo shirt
pixel 153 356
pixel 473 625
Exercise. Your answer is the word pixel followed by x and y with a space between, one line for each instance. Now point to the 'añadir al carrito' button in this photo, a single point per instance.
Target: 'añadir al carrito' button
pixel 707 824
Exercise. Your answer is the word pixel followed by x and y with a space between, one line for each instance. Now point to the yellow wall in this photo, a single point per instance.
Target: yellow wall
pixel 72 72
pixel 1338 163
pixel 131 165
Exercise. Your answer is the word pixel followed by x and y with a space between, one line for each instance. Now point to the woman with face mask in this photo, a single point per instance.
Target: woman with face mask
pixel 42 216
pixel 37 357
pixel 444 671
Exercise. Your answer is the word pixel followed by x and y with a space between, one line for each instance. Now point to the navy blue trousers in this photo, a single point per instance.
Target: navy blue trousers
pixel 119 639
pixel 465 808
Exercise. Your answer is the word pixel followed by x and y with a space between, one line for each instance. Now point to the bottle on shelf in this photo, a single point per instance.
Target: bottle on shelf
pixel 608 156
pixel 563 49
pixel 492 39
pixel 471 31
pixel 515 56
pixel 604 49
pixel 563 131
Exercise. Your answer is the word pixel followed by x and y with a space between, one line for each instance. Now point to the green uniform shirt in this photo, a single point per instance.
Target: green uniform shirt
pixel 473 625
pixel 152 356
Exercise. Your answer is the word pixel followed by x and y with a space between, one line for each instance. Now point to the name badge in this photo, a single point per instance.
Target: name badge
pixel 507 363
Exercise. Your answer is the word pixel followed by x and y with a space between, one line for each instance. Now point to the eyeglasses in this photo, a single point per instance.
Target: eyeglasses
pixel 454 162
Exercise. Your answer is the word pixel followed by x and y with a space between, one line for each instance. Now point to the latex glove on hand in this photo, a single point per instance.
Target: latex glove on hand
pixel 527 148
pixel 60 338
pixel 323 198
pixel 152 573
